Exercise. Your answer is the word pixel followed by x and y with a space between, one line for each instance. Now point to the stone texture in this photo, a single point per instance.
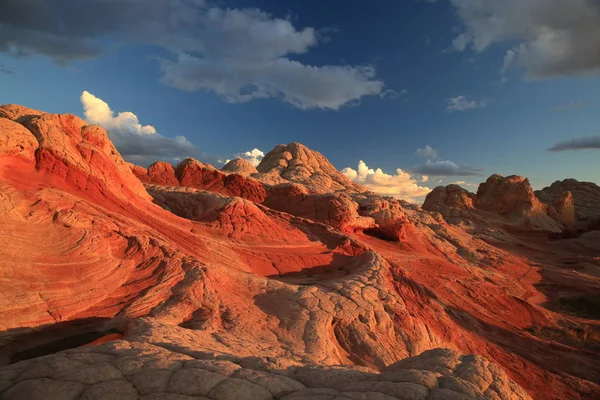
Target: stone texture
pixel 500 201
pixel 297 164
pixel 240 166
pixel 227 290
pixel 15 140
pixel 586 197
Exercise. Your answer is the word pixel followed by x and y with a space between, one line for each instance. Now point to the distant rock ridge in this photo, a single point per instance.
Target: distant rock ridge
pixel 586 197
pixel 511 198
pixel 347 211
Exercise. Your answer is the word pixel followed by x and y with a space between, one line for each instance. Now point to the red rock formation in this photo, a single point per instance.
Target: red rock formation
pixel 218 294
pixel 564 207
pixel 586 197
pixel 511 195
pixel 240 166
pixel 451 196
pixel 297 164
pixel 162 173
pixel 499 201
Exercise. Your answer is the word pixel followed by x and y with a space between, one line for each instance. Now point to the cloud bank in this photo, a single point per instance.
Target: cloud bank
pixel 581 143
pixel 402 185
pixel 548 38
pixel 138 143
pixel 238 54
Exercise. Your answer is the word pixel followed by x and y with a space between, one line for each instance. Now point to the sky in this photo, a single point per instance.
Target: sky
pixel 401 96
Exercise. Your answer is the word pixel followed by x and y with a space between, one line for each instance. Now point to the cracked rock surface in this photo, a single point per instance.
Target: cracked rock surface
pixel 186 282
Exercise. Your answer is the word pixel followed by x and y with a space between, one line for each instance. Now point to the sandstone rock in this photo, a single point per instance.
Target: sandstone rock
pixel 194 174
pixel 451 196
pixel 194 382
pixel 511 198
pixel 510 195
pixel 586 196
pixel 234 388
pixel 15 140
pixel 240 166
pixel 564 206
pixel 344 291
pixel 296 163
pixel 15 111
pixel 44 389
pixel 162 173
pixel 110 390
pixel 82 156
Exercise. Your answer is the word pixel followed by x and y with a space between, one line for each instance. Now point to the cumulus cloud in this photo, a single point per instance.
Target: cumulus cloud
pixel 553 37
pixel 238 54
pixel 402 185
pixel 445 168
pixel 462 103
pixel 255 156
pixel 581 143
pixel 138 143
pixel 427 152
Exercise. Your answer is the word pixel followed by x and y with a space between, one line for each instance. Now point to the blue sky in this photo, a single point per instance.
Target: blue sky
pixel 384 73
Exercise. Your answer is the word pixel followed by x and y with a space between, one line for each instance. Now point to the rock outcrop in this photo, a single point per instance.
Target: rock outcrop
pixel 451 196
pixel 564 208
pixel 217 287
pixel 297 164
pixel 194 174
pixel 499 200
pixel 512 195
pixel 133 370
pixel 240 166
pixel 586 197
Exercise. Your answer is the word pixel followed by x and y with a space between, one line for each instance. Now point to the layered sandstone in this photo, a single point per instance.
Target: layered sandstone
pixel 585 195
pixel 505 200
pixel 240 166
pixel 296 163
pixel 227 287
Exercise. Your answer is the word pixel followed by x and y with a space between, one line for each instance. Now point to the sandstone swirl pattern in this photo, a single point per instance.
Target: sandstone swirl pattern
pixel 285 283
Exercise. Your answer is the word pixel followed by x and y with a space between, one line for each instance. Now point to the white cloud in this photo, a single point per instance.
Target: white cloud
pixel 553 37
pixel 444 168
pixel 462 103
pixel 464 183
pixel 138 143
pixel 255 156
pixel 238 54
pixel 303 86
pixel 427 152
pixel 581 143
pixel 402 185
pixel 98 112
